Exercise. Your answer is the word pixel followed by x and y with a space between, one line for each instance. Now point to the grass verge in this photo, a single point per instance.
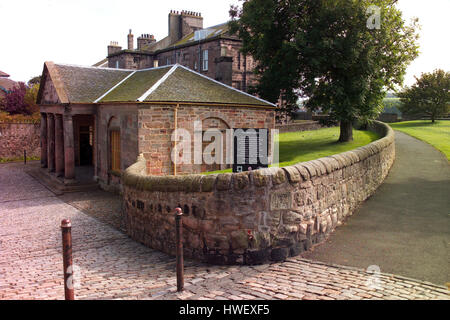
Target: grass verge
pixel 437 134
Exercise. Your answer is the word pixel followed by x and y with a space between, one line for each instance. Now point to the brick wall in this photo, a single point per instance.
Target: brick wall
pixel 257 216
pixel 157 124
pixel 16 137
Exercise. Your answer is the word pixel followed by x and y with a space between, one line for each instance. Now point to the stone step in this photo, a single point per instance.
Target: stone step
pixel 57 185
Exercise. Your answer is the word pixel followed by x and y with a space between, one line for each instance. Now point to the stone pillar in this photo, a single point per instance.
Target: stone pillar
pixel 50 142
pixel 69 150
pixel 59 146
pixel 44 140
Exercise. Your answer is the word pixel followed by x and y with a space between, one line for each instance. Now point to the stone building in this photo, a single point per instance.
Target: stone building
pixel 103 118
pixel 211 51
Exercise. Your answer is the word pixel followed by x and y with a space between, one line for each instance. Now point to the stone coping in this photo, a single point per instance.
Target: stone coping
pixel 135 175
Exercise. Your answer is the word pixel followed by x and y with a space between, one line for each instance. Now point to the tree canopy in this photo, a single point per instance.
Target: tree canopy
pixel 430 95
pixel 341 54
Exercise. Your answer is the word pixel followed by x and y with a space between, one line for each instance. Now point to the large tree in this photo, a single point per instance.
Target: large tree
pixel 430 95
pixel 341 54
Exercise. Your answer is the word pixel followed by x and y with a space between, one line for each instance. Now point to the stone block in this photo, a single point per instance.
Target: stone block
pixel 279 254
pixel 259 178
pixel 278 176
pixel 207 182
pixel 327 163
pixel 239 239
pixel 296 249
pixel 240 180
pixel 224 181
pixel 320 168
pixel 311 169
pixel 256 256
pixel 303 171
pixel 293 174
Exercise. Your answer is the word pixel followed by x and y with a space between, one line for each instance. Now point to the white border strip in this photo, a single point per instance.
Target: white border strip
pixel 227 86
pixel 118 84
pixel 158 83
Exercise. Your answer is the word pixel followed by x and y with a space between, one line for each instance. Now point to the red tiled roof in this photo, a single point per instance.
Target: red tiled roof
pixel 7 84
pixel 3 74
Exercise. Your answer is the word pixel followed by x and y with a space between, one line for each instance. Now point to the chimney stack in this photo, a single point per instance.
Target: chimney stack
pixel 183 23
pixel 130 41
pixel 113 47
pixel 144 41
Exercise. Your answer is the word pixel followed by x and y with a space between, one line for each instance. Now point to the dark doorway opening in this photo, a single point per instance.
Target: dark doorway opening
pixel 86 145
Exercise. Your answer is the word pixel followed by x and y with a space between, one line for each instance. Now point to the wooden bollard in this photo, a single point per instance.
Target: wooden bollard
pixel 66 228
pixel 179 241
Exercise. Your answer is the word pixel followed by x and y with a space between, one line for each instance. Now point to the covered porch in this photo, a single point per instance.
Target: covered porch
pixel 68 143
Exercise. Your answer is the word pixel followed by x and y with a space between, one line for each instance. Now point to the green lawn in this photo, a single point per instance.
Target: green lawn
pixel 437 134
pixel 309 145
pixel 18 159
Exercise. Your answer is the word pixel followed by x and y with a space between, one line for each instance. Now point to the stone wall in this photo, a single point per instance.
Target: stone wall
pixel 258 216
pixel 16 137
pixel 123 119
pixel 302 126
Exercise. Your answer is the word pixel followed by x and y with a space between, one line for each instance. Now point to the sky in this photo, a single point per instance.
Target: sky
pixel 78 32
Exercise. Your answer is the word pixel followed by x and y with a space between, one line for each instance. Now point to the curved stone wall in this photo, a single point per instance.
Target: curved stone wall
pixel 258 216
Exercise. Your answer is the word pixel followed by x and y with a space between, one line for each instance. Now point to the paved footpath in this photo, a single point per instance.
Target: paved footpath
pixel 404 228
pixel 109 265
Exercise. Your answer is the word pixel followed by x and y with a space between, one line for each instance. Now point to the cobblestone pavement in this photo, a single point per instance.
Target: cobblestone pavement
pixel 109 265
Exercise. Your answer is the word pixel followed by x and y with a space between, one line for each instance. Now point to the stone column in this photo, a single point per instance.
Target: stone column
pixel 69 150
pixel 59 146
pixel 44 140
pixel 50 142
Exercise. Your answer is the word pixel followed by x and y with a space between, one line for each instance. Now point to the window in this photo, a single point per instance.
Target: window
pixel 168 61
pixel 115 150
pixel 117 64
pixel 205 60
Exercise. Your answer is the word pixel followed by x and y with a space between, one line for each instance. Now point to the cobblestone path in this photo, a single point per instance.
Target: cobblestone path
pixel 109 265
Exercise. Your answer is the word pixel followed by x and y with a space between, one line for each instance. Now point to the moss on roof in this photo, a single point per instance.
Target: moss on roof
pixel 86 84
pixel 188 86
pixel 174 84
pixel 214 31
pixel 136 85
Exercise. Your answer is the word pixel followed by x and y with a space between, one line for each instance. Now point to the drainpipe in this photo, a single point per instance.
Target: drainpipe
pixel 175 115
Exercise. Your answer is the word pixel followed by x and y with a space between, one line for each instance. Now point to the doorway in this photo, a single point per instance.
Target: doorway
pixel 86 138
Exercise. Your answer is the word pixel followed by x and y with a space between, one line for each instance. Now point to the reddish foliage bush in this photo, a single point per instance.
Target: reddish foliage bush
pixel 14 101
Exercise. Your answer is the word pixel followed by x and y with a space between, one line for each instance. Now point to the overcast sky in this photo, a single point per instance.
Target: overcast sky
pixel 78 31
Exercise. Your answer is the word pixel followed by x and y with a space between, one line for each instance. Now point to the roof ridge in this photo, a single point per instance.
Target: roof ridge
pixel 158 83
pixel 227 86
pixel 155 68
pixel 115 86
pixel 91 67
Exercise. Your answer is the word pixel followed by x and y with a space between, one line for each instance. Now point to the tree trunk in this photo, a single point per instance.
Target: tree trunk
pixel 346 133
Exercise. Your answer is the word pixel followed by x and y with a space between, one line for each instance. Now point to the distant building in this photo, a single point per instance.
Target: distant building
pixel 212 51
pixel 6 84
